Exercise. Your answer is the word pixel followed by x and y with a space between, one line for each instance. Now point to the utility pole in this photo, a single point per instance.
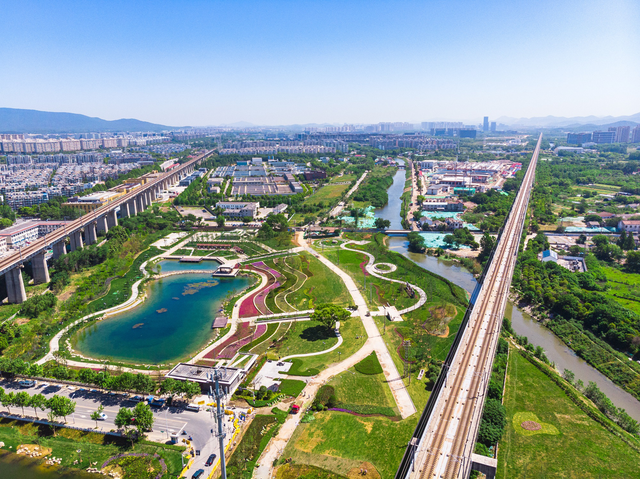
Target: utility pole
pixel 215 378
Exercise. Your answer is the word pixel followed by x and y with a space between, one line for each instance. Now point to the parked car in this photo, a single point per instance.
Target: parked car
pixel 210 460
pixel 135 398
pixel 198 474
pixel 26 383
pixel 193 407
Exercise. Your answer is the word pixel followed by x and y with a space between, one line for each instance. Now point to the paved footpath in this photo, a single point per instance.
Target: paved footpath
pixel 374 343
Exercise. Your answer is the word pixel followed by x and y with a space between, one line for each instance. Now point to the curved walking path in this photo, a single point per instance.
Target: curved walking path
pixel 374 343
pixel 372 272
pixel 337 345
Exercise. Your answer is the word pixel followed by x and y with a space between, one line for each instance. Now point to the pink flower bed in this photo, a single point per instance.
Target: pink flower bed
pixel 231 350
pixel 363 267
pixel 248 309
pixel 264 267
pixel 243 331
pixel 261 297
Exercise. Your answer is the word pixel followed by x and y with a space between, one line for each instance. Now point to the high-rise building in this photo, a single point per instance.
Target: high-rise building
pixel 635 136
pixel 622 133
pixel 493 127
pixel 485 124
pixel 604 137
pixel 578 138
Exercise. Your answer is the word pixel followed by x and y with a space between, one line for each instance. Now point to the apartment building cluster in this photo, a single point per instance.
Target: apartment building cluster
pixel 615 134
pixel 60 158
pixel 268 147
pixel 164 149
pixel 22 144
pixel 30 185
pixel 419 142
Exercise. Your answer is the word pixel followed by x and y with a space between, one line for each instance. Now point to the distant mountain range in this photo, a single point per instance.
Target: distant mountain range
pixel 13 120
pixel 576 122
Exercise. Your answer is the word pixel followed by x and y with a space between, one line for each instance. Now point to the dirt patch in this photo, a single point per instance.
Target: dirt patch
pixel 21 321
pixel 368 425
pixel 438 324
pixel 358 472
pixel 531 426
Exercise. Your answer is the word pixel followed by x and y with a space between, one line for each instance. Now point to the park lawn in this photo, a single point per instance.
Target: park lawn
pixel 588 449
pixel 354 337
pixel 417 389
pixel 363 393
pixel 301 471
pixel 322 284
pixel 291 387
pixel 268 339
pixel 94 447
pixel 327 194
pixel 343 178
pixel 306 337
pixel 339 442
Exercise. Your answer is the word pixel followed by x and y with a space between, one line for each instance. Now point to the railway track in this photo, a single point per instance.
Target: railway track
pixel 13 260
pixel 445 436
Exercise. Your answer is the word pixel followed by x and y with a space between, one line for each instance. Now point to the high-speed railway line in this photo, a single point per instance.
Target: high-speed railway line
pixel 443 442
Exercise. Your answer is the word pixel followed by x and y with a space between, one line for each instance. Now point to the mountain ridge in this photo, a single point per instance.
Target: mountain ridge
pixel 16 120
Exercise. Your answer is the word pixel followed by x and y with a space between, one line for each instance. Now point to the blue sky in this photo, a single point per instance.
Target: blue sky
pixel 203 62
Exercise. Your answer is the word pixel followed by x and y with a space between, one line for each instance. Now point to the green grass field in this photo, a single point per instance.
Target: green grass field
pixel 327 193
pixel 623 288
pixel 569 445
pixel 363 393
pixel 306 337
pixel 343 178
pixel 93 447
pixel 322 284
pixel 340 442
pixel 301 471
pixel 354 337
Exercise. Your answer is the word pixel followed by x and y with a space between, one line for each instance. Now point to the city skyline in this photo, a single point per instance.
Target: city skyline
pixel 209 63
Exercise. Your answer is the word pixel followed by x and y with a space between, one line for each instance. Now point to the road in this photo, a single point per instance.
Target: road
pixel 167 420
pixel 447 443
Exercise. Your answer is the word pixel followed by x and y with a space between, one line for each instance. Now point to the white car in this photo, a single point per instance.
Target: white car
pixel 103 417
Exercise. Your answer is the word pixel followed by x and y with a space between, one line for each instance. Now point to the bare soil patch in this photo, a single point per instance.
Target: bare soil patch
pixel 531 426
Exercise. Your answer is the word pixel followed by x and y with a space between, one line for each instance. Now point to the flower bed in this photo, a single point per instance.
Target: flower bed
pixel 231 350
pixel 243 331
pixel 264 267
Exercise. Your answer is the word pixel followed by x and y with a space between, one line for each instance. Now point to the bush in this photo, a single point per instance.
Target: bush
pixel 369 365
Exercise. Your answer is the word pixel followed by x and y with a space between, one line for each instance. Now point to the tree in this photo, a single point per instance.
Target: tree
pixel 487 242
pixel 633 261
pixel 220 219
pixel 189 389
pixel 629 243
pixel 569 376
pixel 8 400
pixel 381 223
pixel 60 406
pixel 22 399
pixel 582 239
pixel 417 215
pixel 143 418
pixel 38 401
pixel 329 314
pixel 143 383
pixel 169 386
pixel 97 414
pixel 247 219
pixel 125 420
pixel 416 242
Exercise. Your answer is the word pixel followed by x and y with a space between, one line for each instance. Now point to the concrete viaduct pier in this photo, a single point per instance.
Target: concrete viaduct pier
pixel 84 230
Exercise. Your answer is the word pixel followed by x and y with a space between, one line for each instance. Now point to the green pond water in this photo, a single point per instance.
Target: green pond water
pixel 19 467
pixel 172 324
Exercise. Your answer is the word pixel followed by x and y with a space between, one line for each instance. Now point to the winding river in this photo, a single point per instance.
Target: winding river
pixel 555 349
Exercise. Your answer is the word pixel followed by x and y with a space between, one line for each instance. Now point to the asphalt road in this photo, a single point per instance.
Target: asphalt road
pixel 197 425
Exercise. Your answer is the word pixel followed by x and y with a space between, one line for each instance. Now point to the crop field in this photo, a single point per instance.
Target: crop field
pixel 569 443
pixel 623 288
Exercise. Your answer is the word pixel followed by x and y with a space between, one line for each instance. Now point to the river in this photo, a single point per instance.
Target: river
pixel 555 349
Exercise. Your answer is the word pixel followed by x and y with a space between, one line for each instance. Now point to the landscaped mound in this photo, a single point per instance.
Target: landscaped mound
pixel 531 426
pixel 369 365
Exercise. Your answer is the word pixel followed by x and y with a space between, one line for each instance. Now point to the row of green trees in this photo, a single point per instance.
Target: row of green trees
pixel 57 406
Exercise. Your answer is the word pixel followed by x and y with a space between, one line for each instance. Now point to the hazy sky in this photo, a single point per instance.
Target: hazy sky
pixel 281 62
